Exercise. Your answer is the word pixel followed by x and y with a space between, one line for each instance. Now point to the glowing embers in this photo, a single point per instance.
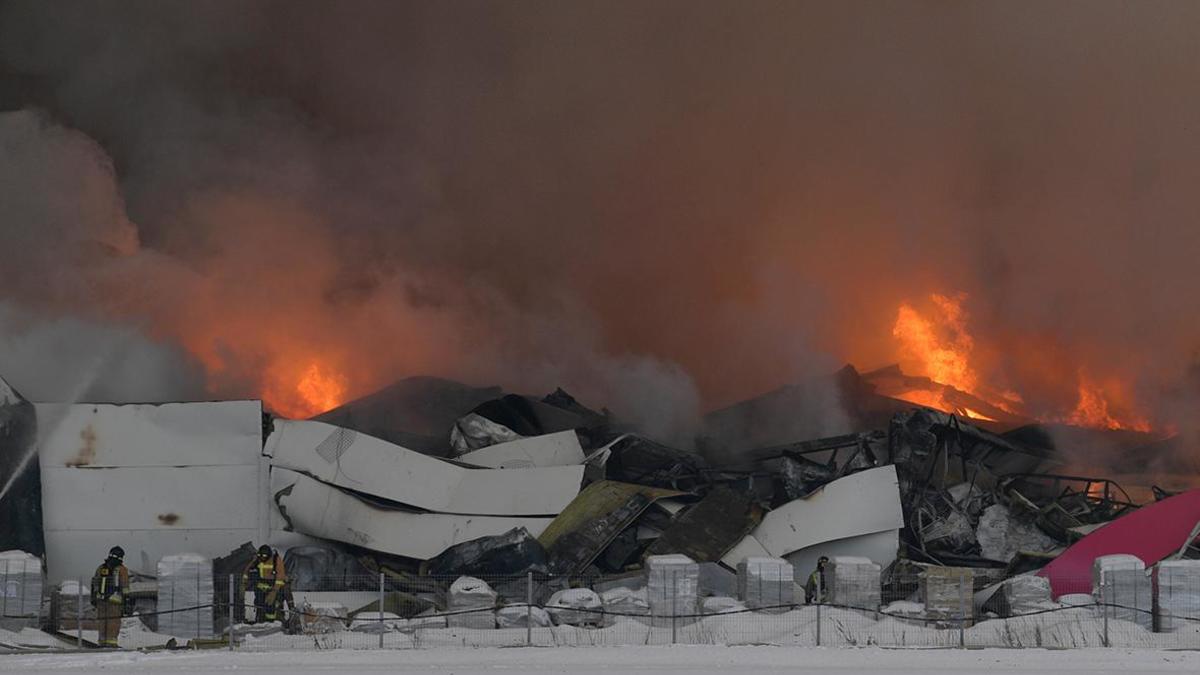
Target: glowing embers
pixel 936 398
pixel 923 391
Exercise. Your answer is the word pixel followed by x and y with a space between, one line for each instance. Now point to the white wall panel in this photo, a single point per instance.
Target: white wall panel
pixel 558 449
pixel 154 479
pixel 321 510
pixel 369 465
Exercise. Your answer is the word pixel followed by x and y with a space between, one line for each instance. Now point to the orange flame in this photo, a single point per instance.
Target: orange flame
pixel 937 400
pixel 942 355
pixel 313 391
pixel 1093 409
pixel 939 346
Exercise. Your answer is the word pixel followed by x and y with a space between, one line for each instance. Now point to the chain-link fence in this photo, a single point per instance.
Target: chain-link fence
pixel 942 608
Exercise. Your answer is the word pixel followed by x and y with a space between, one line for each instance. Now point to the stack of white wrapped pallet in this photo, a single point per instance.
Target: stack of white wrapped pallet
pixel 853 583
pixel 1176 594
pixel 469 593
pixel 1025 594
pixel 185 596
pixel 20 588
pixel 1122 587
pixel 948 592
pixel 766 582
pixel 672 587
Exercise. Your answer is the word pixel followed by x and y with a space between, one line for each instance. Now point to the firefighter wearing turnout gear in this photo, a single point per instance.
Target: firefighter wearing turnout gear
pixel 816 590
pixel 109 585
pixel 266 576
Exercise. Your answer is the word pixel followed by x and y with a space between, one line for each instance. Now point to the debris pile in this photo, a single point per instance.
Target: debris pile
pixel 516 495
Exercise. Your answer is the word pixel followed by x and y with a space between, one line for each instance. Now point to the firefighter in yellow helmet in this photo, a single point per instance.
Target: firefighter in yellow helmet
pixel 109 585
pixel 266 576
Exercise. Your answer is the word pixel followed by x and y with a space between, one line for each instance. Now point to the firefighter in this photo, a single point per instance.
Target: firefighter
pixel 266 576
pixel 109 584
pixel 816 588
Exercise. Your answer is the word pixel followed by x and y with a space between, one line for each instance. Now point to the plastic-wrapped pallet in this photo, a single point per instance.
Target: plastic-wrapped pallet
pixel 854 583
pixel 1176 594
pixel 20 585
pixel 1122 587
pixel 575 607
pixel 185 582
pixel 1025 594
pixel 948 592
pixel 469 593
pixel 766 582
pixel 672 586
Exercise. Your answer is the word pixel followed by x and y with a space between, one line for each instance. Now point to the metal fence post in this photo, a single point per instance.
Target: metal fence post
pixel 761 599
pixel 820 598
pixel 79 615
pixel 1104 604
pixel 962 611
pixel 529 609
pixel 674 606
pixel 229 612
pixel 381 601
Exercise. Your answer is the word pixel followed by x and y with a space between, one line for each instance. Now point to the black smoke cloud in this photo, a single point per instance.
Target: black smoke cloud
pixel 679 202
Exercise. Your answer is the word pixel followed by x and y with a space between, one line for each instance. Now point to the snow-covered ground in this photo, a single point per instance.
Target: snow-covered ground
pixel 694 660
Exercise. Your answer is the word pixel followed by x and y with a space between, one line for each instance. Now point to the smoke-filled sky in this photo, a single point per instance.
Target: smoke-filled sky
pixel 664 206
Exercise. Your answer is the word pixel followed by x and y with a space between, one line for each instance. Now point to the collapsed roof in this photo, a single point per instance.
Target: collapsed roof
pixel 430 470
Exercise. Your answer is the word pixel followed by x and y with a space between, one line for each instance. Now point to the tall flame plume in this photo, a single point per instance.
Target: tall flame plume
pixel 938 344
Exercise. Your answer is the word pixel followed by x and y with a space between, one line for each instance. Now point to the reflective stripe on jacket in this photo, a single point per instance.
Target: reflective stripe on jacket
pixel 109 582
pixel 266 573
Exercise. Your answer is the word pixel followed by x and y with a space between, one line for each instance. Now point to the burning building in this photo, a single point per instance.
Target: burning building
pixel 335 236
